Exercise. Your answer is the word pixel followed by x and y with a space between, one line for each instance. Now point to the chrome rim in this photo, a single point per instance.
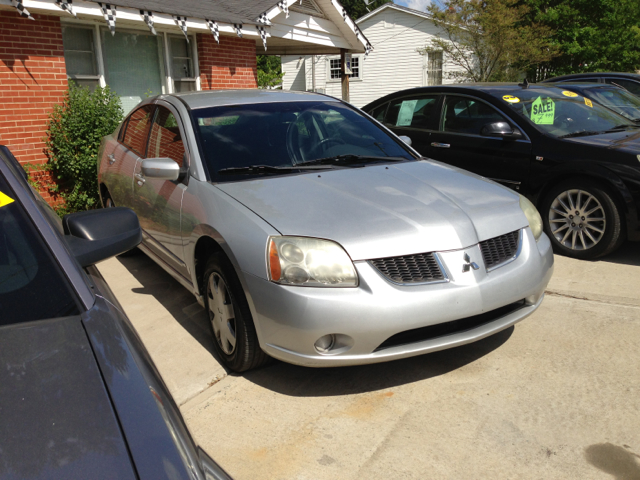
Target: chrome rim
pixel 577 220
pixel 221 313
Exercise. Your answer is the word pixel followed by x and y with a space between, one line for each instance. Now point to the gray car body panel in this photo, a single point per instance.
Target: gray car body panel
pixel 56 419
pixel 385 211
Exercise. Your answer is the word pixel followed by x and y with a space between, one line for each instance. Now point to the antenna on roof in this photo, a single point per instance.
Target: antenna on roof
pixel 524 84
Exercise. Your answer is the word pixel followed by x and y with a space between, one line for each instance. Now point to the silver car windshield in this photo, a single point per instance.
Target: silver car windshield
pixel 285 135
pixel 562 113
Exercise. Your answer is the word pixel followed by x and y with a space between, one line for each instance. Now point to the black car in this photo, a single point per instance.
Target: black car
pixel 629 81
pixel 576 160
pixel 614 98
pixel 79 395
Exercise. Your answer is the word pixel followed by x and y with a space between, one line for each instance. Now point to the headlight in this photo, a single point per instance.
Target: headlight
pixel 535 220
pixel 310 262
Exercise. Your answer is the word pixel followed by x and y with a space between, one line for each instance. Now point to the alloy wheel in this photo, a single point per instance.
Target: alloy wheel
pixel 577 219
pixel 221 313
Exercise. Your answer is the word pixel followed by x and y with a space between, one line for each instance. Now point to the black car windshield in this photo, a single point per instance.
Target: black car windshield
pixel 32 286
pixel 561 113
pixel 287 134
pixel 618 100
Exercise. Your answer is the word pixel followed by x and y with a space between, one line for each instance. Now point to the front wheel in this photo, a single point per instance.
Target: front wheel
pixel 234 335
pixel 582 220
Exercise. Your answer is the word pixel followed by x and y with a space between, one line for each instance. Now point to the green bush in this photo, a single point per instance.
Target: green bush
pixel 74 132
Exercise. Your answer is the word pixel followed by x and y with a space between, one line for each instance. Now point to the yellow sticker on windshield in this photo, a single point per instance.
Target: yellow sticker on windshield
pixel 588 103
pixel 5 200
pixel 510 99
pixel 567 93
pixel 543 111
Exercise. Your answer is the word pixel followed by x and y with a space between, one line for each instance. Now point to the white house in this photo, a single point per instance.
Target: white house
pixel 397 34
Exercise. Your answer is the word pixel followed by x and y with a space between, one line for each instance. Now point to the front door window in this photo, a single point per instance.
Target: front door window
pixel 467 115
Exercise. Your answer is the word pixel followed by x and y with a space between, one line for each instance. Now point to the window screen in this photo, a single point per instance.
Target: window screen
pixel 165 140
pixel 434 68
pixel 135 137
pixel 182 72
pixel 79 56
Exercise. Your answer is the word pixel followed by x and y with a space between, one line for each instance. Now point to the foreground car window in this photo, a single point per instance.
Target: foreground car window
pixel 284 134
pixel 32 286
pixel 561 112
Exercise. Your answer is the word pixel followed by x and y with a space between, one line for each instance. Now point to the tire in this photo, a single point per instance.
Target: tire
pixel 108 203
pixel 234 334
pixel 582 220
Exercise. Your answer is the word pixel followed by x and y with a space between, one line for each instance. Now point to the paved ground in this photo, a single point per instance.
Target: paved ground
pixel 555 397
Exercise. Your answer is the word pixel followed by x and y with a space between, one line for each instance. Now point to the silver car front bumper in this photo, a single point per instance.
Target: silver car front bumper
pixel 289 320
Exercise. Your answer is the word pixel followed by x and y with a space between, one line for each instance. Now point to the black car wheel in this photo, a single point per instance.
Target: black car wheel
pixel 235 338
pixel 582 220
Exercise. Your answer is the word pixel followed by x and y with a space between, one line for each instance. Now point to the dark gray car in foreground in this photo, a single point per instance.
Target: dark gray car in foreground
pixel 80 397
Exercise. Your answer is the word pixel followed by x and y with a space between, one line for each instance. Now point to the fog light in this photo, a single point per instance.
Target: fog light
pixel 325 343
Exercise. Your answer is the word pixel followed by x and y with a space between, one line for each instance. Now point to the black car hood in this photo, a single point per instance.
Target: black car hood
pixel 56 419
pixel 626 140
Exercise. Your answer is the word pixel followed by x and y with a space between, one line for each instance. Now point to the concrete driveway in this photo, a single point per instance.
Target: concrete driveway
pixel 555 397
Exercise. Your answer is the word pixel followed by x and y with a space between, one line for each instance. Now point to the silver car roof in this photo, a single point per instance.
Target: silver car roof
pixel 216 98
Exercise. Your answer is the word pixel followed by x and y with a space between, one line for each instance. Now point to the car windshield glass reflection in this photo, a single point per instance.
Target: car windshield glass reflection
pixel 617 100
pixel 286 135
pixel 562 113
pixel 31 285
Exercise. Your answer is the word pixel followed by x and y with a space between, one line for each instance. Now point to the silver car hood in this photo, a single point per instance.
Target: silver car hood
pixel 385 210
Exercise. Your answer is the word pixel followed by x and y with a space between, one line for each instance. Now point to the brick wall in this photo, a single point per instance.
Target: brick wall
pixel 32 79
pixel 232 64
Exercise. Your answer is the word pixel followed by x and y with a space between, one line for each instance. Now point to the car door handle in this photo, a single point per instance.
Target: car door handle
pixel 139 179
pixel 112 159
pixel 440 145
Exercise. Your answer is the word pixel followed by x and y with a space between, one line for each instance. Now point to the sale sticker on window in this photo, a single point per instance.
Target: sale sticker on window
pixel 567 93
pixel 5 200
pixel 406 113
pixel 543 111
pixel 510 99
pixel 588 103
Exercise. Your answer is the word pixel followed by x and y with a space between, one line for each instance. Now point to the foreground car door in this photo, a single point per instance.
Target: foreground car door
pixel 458 142
pixel 158 202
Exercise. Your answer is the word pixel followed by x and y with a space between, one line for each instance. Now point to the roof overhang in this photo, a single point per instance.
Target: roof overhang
pixel 283 30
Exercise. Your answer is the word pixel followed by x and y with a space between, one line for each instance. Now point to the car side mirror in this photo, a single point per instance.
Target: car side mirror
pixel 160 168
pixel 96 235
pixel 500 129
pixel 405 139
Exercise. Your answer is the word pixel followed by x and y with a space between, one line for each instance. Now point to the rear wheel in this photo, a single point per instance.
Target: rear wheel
pixel 582 220
pixel 234 334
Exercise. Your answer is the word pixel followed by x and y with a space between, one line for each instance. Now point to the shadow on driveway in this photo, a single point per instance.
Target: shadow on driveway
pixel 628 254
pixel 299 381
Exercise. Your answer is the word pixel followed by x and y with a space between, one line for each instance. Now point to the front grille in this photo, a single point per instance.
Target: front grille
pixel 499 249
pixel 448 328
pixel 420 268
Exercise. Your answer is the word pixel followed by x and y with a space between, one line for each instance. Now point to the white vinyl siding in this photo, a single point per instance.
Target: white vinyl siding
pixel 394 64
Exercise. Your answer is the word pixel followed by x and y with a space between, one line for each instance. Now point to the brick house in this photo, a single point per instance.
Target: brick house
pixel 146 47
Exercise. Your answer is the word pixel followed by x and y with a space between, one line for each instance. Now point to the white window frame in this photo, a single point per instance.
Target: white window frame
pixel 165 60
pixel 359 78
pixel 192 45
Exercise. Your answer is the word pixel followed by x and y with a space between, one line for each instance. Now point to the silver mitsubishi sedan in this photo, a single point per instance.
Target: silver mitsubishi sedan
pixel 314 235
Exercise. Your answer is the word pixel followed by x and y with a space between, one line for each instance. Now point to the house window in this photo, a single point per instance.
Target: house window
pixel 182 71
pixel 334 68
pixel 434 68
pixel 79 56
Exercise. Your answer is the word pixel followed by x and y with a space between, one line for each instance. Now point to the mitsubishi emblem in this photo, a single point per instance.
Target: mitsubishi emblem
pixel 468 264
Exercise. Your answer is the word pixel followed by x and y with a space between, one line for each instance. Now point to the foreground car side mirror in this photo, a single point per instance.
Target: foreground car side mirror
pixel 405 139
pixel 500 129
pixel 161 168
pixel 97 235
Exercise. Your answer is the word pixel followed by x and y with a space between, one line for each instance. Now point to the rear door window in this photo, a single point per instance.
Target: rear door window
pixel 32 285
pixel 137 132
pixel 414 112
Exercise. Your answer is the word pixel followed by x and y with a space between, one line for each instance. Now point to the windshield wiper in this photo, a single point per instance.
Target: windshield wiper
pixel 584 133
pixel 623 125
pixel 351 158
pixel 266 169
